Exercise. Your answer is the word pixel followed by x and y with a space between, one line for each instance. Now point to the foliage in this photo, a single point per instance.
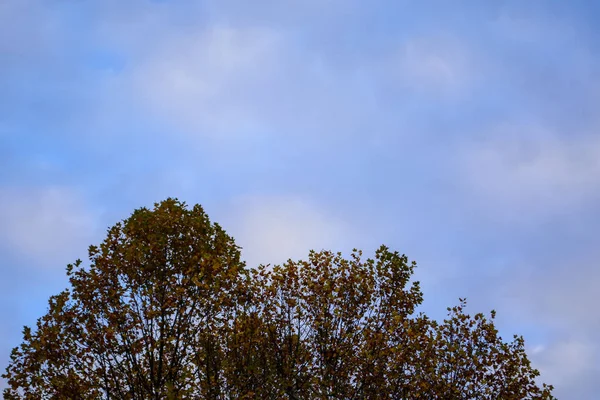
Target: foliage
pixel 167 310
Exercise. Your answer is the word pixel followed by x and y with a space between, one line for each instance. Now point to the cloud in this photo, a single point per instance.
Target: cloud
pixel 557 296
pixel 530 169
pixel 223 76
pixel 202 81
pixel 570 365
pixel 273 229
pixel 436 65
pixel 550 299
pixel 565 361
pixel 47 225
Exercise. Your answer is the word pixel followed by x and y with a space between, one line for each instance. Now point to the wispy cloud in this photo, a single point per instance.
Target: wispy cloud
pixel 437 66
pixel 529 169
pixel 203 82
pixel 46 225
pixel 570 363
pixel 273 229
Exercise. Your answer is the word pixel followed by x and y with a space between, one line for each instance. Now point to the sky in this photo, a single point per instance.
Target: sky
pixel 464 134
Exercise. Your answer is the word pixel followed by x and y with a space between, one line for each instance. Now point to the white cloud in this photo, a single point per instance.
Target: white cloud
pixel 558 300
pixel 224 83
pixel 217 75
pixel 529 169
pixel 49 225
pixel 201 81
pixel 438 65
pixel 273 229
pixel 567 365
pixel 558 296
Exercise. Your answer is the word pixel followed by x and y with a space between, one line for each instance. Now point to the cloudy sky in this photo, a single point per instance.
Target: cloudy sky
pixel 465 134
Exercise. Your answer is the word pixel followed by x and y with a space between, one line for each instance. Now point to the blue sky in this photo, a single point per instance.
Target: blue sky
pixel 464 134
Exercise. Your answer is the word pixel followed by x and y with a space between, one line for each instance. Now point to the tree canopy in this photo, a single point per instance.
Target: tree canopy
pixel 165 309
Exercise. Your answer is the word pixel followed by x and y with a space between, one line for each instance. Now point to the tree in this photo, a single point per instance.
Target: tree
pixel 145 320
pixel 166 309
